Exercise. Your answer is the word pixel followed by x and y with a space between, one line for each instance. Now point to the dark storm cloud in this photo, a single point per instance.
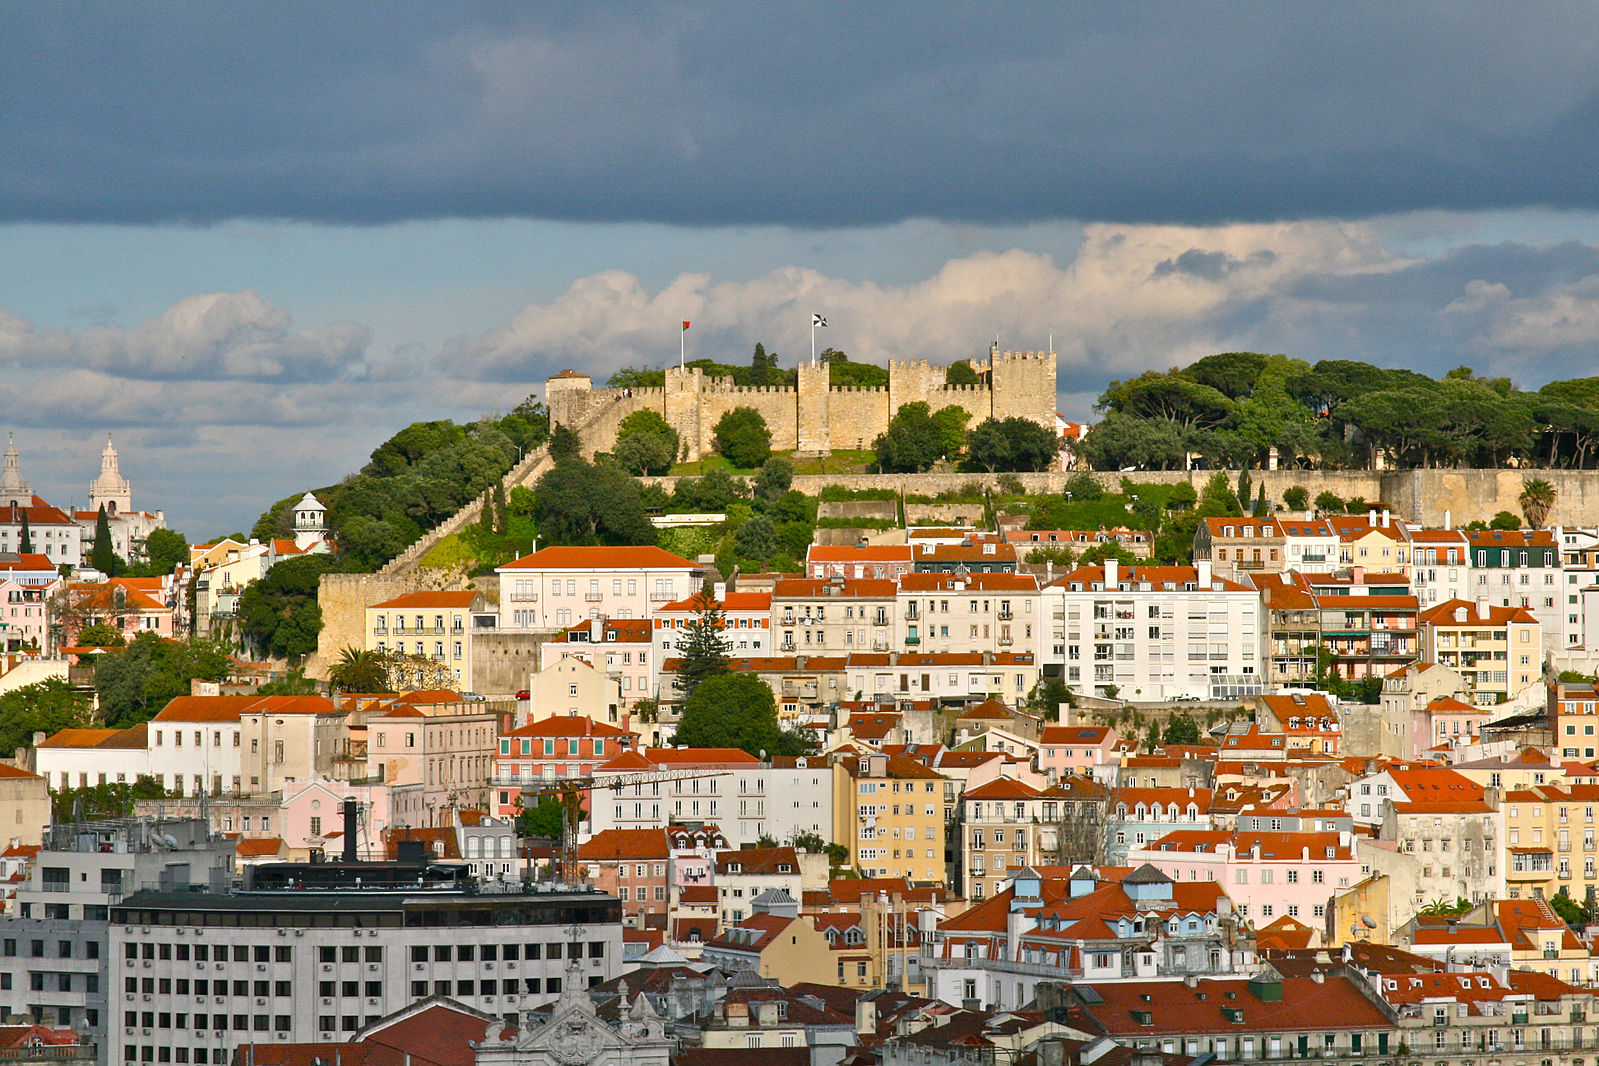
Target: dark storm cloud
pixel 802 114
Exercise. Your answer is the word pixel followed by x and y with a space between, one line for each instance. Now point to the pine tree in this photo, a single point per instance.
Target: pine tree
pixel 485 516
pixel 25 543
pixel 103 557
pixel 1260 501
pixel 1243 488
pixel 500 523
pixel 702 652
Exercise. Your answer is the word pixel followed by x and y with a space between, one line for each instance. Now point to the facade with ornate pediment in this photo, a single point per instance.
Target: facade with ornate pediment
pixel 573 1034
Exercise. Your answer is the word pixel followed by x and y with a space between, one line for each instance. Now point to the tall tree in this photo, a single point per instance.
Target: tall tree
pixel 25 538
pixel 103 556
pixel 702 652
pixel 646 443
pixel 912 442
pixel 731 711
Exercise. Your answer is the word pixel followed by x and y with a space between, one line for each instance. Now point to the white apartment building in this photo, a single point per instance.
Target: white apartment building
pixel 1438 570
pixel 733 794
pixel 555 588
pixel 1521 568
pixel 1155 632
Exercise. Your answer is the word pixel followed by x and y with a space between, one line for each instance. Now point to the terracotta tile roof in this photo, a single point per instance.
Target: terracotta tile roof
pixel 253 847
pixel 16 773
pixel 1443 615
pixel 78 738
pixel 808 588
pixel 1074 734
pixel 766 861
pixel 982 581
pixel 206 708
pixel 702 894
pixel 1002 788
pixel 759 931
pixel 631 844
pixel 567 726
pixel 1174 1008
pixel 732 603
pixel 461 599
pixel 644 557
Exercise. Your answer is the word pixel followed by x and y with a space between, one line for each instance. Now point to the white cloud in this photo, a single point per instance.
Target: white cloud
pixel 235 335
pixel 1562 317
pixel 1132 297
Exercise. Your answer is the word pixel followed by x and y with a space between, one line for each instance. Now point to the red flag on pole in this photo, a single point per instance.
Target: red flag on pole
pixel 685 325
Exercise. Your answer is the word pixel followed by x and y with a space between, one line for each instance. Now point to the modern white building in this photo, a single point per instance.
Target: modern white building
pixel 278 963
pixel 1155 632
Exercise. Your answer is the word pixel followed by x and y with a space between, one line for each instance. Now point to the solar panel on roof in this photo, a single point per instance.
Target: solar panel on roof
pixel 1087 994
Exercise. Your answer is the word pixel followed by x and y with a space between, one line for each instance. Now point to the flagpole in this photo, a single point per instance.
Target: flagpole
pixel 682 347
pixel 813 341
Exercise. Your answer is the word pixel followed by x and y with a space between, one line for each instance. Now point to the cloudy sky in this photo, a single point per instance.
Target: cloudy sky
pixel 251 241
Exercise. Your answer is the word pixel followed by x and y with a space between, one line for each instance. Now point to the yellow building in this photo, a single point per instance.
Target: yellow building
pixel 1497 650
pixel 1550 838
pixel 889 812
pixel 428 625
pixel 784 946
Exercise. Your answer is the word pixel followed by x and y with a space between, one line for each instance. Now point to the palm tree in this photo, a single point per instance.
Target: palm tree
pixel 1537 499
pixel 360 670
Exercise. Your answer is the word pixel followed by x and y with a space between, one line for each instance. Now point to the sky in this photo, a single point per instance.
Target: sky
pixel 250 242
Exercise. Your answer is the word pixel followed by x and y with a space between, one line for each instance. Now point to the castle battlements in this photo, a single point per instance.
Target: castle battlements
pixel 814 415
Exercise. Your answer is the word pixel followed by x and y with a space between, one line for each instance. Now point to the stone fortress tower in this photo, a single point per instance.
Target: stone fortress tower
pixel 813 418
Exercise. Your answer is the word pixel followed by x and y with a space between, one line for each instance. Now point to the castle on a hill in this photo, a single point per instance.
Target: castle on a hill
pixel 814 417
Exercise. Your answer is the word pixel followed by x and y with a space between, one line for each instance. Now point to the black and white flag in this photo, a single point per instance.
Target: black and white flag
pixel 818 320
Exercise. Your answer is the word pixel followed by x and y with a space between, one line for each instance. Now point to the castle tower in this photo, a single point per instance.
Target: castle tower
pixel 310 522
pixel 813 418
pixel 15 489
pixel 1022 384
pixel 110 490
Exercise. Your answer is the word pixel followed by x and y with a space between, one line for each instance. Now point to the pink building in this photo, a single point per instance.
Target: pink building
pixel 556 588
pixel 22 615
pixel 1065 750
pixel 130 605
pixel 630 864
pixel 621 646
pixel 552 749
pixel 1267 875
pixel 312 817
pixel 450 756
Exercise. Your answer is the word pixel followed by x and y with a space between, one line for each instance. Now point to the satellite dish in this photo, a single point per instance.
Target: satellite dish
pixel 169 840
pixel 1365 920
pixel 1354 929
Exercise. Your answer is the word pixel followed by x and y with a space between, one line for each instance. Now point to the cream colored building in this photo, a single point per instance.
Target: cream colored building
pixel 572 687
pixel 451 756
pixel 288 739
pixel 24 806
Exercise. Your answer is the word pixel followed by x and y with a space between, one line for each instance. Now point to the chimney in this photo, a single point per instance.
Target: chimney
pixel 349 830
pixel 1448 519
pixel 1482 608
pixel 1371 516
pixel 1203 568
pixel 1112 577
pixel 865 1016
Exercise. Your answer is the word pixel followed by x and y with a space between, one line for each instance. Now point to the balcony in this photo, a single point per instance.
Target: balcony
pixel 1005 615
pixel 524 597
pixel 913 641
pixel 593 597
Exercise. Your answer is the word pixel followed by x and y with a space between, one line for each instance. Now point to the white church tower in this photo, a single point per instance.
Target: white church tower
pixel 110 489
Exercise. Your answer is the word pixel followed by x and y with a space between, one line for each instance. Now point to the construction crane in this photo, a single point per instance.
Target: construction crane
pixel 570 791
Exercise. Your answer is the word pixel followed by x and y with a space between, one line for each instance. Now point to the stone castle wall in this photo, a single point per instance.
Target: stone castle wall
pixel 813 417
